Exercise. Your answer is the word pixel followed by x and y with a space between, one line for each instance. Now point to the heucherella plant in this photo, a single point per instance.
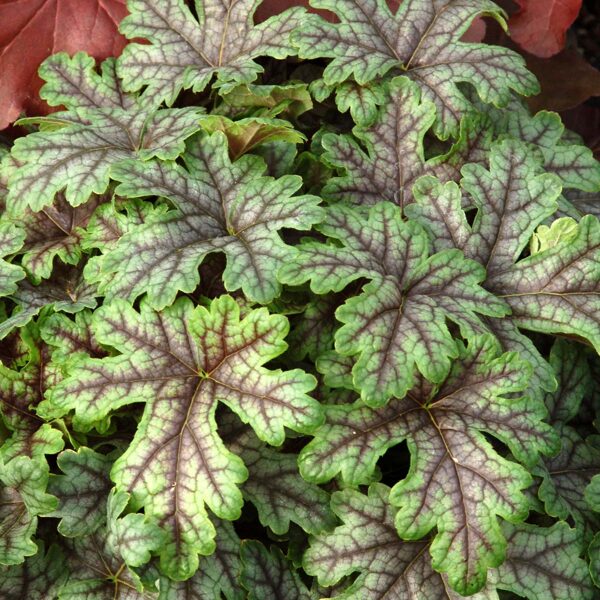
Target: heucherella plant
pixel 295 310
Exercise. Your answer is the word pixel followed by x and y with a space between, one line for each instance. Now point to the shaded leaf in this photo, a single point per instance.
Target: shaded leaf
pixel 38 578
pixel 11 240
pixel 275 487
pixel 268 575
pixel 82 491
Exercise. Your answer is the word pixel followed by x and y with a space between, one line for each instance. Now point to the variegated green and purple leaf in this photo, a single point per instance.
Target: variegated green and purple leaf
pixel 182 362
pixel 423 40
pixel 540 562
pixel 101 127
pixel 220 206
pixel 186 51
pixel 397 325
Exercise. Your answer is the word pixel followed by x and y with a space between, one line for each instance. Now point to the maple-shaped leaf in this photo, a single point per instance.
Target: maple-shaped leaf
pixel 540 562
pixel 421 39
pixel 23 483
pixel 31 31
pixel 457 481
pixel 274 484
pixel 268 575
pixel 38 578
pixel 220 206
pixel 101 127
pixel 81 491
pixel 217 574
pixel 554 291
pixel 367 542
pixel 398 323
pixel 562 230
pixel 66 291
pixel 182 362
pixel 99 563
pixel 355 436
pixel 11 240
pixel 186 51
pixel 394 155
pixel 21 391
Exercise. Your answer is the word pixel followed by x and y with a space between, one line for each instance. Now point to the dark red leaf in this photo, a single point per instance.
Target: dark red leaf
pixel 540 25
pixel 31 30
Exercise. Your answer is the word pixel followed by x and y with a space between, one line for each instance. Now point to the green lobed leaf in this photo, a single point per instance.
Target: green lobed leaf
pixel 217 575
pixel 21 391
pixel 220 207
pixel 81 491
pixel 23 483
pixel 421 39
pixel 182 362
pixel 398 324
pixel 268 575
pixel 540 562
pixel 457 482
pixel 186 51
pixel 38 578
pixel 101 127
pixel 11 240
pixel 274 485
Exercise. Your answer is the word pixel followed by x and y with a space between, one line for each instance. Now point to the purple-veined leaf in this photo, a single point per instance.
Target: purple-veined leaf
pixel 23 483
pixel 267 575
pixel 394 155
pixel 38 578
pixel 553 291
pixel 398 323
pixel 540 562
pixel 220 207
pixel 354 436
pixel 274 484
pixel 217 575
pixel 422 40
pixel 187 51
pixel 182 362
pixel 75 149
pixel 457 481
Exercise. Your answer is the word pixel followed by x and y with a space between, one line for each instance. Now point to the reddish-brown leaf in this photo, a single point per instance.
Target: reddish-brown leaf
pixel 540 25
pixel 31 30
